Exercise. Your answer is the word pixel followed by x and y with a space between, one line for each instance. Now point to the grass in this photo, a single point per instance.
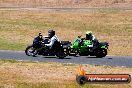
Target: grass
pixel 28 74
pixel 18 28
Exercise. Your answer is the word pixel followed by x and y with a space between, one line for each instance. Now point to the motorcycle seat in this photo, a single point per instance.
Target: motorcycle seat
pixel 65 42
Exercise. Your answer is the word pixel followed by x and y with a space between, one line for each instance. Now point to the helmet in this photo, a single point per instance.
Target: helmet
pixel 51 33
pixel 88 35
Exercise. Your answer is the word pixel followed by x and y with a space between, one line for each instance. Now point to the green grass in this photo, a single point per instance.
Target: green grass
pixel 10 45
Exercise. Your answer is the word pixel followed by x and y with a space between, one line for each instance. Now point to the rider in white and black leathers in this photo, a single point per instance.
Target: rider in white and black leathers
pixel 53 38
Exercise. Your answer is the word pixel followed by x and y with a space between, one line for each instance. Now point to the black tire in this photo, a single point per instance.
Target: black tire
pixel 101 53
pixel 34 53
pixel 61 55
pixel 83 54
pixel 81 80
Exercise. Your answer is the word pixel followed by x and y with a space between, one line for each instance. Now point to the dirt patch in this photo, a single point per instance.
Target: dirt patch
pixel 36 72
pixel 67 3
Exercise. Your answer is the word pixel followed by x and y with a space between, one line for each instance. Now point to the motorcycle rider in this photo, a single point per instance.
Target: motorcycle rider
pixel 91 37
pixel 80 40
pixel 38 40
pixel 54 41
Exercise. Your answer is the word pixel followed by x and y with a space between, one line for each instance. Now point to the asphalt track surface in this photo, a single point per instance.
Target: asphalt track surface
pixel 108 60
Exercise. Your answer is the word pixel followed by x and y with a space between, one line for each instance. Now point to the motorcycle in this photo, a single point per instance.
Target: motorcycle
pixel 58 49
pixel 83 47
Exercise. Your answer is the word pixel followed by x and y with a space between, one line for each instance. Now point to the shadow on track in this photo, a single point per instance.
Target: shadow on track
pixel 99 57
pixel 55 57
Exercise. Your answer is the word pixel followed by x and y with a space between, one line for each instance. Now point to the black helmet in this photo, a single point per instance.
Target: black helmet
pixel 51 33
pixel 88 35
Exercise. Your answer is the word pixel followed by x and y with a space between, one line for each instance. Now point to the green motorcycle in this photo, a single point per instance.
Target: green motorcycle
pixel 84 47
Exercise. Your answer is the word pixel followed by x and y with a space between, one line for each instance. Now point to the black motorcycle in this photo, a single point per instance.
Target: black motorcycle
pixel 58 49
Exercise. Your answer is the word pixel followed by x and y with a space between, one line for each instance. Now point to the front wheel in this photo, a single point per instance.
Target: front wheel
pixel 101 53
pixel 30 51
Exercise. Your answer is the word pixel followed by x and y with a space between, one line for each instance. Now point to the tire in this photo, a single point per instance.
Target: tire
pixel 31 53
pixel 61 55
pixel 83 54
pixel 81 80
pixel 101 53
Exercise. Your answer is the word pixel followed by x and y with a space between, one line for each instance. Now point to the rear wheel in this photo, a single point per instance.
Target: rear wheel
pixel 60 54
pixel 101 53
pixel 30 51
